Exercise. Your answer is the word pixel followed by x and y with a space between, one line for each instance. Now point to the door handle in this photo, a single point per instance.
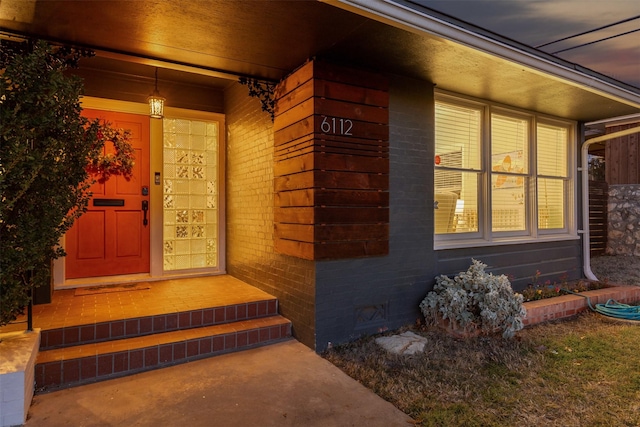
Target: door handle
pixel 145 209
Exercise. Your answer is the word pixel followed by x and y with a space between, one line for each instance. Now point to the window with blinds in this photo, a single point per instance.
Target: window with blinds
pixel 509 177
pixel 552 175
pixel 500 174
pixel 458 164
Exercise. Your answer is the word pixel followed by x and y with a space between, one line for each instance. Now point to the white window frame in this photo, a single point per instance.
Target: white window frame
pixel 485 236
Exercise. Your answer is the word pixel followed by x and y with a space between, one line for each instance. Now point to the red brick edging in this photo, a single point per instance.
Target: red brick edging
pixel 569 305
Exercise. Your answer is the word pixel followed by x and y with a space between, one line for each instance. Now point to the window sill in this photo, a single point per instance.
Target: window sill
pixel 502 241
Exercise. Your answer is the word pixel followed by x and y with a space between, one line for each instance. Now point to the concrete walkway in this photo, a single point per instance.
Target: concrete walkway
pixel 284 384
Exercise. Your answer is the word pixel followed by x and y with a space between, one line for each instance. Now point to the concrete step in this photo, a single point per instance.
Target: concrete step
pixel 80 364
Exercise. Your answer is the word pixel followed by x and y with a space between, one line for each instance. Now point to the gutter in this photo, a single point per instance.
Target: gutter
pixel 586 238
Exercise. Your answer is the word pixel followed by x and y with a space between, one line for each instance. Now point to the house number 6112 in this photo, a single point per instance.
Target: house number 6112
pixel 336 126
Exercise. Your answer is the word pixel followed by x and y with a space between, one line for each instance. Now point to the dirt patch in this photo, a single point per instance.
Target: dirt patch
pixel 617 270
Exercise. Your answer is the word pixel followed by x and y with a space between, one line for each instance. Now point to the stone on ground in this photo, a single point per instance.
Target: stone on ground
pixel 406 343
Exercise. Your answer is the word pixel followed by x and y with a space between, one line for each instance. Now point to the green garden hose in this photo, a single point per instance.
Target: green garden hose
pixel 612 308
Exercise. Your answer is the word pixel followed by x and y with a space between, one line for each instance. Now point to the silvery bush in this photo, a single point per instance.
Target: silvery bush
pixel 475 301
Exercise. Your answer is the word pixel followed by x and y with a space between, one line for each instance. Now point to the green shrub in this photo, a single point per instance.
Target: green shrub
pixel 44 147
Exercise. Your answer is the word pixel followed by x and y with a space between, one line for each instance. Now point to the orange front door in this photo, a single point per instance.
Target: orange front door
pixel 111 237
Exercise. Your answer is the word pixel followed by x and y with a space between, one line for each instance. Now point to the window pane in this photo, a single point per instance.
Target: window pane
pixel 552 150
pixel 509 144
pixel 457 136
pixel 456 208
pixel 550 203
pixel 508 203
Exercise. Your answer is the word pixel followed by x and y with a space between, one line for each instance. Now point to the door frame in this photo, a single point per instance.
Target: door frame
pixel 156 270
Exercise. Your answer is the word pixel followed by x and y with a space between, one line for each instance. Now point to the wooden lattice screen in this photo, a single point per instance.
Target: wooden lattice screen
pixel 598 201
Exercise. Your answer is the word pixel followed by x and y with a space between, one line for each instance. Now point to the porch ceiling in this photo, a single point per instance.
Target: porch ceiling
pixel 211 42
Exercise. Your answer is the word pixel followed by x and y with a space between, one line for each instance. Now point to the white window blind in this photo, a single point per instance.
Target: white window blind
pixel 552 173
pixel 458 162
pixel 509 166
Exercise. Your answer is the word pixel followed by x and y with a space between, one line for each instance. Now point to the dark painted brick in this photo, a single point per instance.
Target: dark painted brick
pixel 120 362
pixel 242 339
pixel 241 312
pixel 230 342
pixel 87 333
pixel 136 359
pixel 117 329
pixel 207 317
pixel 70 371
pixel 218 343
pixel 166 353
pixel 151 356
pixel 196 318
pixel 230 314
pixel 105 365
pixel 159 323
pixel 52 374
pixel 171 321
pixel 132 327
pixel 146 325
pixel 205 345
pixel 193 348
pixel 71 335
pixel 88 367
pixel 184 320
pixel 103 331
pixel 179 350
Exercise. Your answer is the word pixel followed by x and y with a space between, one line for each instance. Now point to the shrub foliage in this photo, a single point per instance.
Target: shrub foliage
pixel 475 300
pixel 44 147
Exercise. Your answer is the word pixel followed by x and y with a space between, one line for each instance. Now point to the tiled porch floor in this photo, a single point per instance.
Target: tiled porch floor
pixel 168 296
pixel 87 338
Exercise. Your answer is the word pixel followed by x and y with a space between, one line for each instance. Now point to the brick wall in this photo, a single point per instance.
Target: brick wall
pixel 249 198
pixel 569 305
pixel 370 294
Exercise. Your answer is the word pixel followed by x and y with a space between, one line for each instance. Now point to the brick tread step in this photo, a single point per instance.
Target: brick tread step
pixel 160 339
pixel 65 367
pixel 119 329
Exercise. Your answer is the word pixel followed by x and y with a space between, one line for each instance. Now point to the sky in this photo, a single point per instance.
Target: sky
pixel 535 22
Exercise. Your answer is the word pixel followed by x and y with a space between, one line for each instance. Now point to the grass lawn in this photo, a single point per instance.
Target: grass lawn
pixel 579 372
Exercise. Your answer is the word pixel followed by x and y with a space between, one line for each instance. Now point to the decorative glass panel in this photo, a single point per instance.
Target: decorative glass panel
pixel 190 199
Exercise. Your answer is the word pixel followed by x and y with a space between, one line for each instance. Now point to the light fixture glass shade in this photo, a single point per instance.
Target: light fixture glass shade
pixel 156 105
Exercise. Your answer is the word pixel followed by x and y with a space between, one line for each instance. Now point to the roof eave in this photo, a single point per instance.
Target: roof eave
pixel 416 19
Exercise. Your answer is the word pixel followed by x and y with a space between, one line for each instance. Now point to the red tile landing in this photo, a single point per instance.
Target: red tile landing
pixel 163 297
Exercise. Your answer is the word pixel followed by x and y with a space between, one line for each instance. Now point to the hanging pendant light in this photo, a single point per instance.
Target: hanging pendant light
pixel 156 102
